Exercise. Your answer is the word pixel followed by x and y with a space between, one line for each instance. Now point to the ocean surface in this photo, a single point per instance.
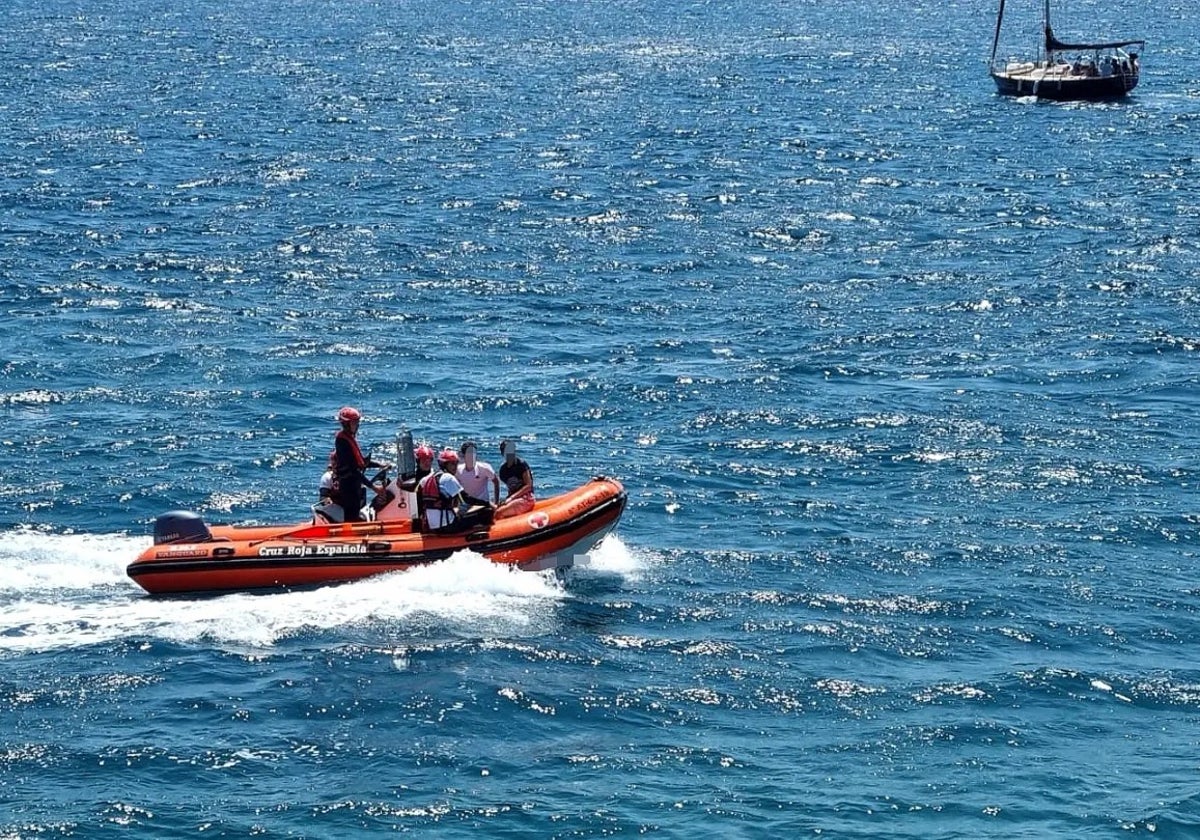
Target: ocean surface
pixel 902 379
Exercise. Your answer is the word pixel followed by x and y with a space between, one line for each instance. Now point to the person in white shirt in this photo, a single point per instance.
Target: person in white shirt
pixel 327 508
pixel 474 476
pixel 328 486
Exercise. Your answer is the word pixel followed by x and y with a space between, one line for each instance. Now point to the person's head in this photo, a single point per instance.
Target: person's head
pixel 468 453
pixel 448 460
pixel 509 450
pixel 349 417
pixel 424 455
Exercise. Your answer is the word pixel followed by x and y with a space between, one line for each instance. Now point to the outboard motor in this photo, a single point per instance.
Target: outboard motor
pixel 180 526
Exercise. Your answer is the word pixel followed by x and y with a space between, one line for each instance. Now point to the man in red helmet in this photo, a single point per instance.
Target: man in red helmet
pixel 351 466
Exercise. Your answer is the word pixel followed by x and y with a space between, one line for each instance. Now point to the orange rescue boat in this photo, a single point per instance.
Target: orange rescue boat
pixel 189 556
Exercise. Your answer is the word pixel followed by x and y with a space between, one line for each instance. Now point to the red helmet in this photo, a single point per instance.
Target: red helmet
pixel 349 415
pixel 448 456
pixel 424 452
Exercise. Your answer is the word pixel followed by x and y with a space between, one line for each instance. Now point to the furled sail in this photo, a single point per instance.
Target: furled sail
pixel 1055 45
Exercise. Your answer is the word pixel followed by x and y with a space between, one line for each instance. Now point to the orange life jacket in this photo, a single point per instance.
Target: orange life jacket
pixel 431 496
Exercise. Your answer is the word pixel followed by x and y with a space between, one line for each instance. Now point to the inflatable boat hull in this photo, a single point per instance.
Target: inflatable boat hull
pixel 239 558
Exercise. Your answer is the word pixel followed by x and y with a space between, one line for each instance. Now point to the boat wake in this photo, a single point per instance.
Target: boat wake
pixel 62 591
pixel 35 561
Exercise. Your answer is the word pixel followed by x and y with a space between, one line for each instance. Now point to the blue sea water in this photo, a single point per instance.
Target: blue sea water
pixel 901 378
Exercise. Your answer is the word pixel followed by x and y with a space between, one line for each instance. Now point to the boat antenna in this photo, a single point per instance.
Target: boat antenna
pixel 996 40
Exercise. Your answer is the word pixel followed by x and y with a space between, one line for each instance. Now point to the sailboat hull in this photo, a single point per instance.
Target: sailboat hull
pixel 1062 87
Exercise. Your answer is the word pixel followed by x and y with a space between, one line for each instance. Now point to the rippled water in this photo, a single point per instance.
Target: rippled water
pixel 900 377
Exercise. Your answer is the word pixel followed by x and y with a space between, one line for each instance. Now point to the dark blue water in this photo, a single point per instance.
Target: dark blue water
pixel 901 378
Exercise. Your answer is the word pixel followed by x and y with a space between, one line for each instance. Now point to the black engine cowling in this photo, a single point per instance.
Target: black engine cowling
pixel 180 526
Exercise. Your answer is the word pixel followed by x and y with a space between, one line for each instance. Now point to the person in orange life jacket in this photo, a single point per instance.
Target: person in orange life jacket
pixel 475 476
pixel 351 465
pixel 515 475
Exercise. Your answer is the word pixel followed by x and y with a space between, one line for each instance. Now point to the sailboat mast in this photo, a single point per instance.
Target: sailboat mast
pixel 1047 30
pixel 996 39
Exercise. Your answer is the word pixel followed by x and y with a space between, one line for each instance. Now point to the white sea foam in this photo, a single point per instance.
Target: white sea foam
pixel 612 557
pixel 62 591
pixel 32 560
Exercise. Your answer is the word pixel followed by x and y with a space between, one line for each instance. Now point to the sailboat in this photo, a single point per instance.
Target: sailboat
pixel 1068 72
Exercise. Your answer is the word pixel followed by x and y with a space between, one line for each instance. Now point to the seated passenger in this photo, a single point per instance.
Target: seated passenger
pixel 328 486
pixel 443 504
pixel 327 508
pixel 477 477
pixel 515 475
